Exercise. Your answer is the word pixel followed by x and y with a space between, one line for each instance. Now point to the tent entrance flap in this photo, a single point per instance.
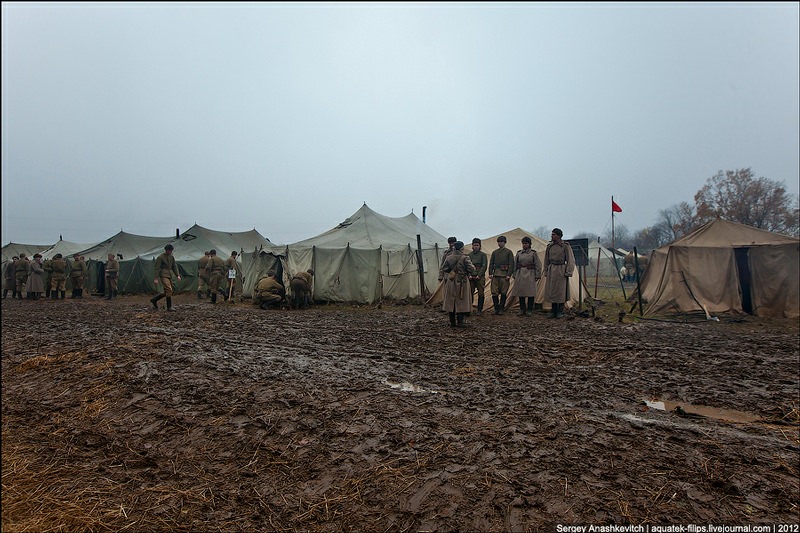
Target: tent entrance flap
pixel 745 278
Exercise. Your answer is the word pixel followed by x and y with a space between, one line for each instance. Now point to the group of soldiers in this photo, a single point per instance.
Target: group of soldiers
pixel 464 274
pixel 37 277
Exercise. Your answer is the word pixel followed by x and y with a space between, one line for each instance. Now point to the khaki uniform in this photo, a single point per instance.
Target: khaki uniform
pixel 527 271
pixel 202 277
pixel 268 291
pixel 301 289
pixel 215 272
pixel 77 274
pixel 163 268
pixel 501 268
pixel 477 282
pixel 559 264
pixel 455 271
pixel 112 277
pixel 47 266
pixel 58 281
pixel 21 274
pixel 35 281
pixel 232 264
pixel 10 283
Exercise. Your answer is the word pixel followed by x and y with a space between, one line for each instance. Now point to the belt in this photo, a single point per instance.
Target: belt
pixel 558 262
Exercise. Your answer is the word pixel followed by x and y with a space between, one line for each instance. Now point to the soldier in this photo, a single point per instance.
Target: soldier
pixel 477 282
pixel 630 269
pixel 559 264
pixel 456 271
pixel 77 273
pixel 58 283
pixel 112 276
pixel 501 267
pixel 202 277
pixel 450 243
pixel 21 274
pixel 35 280
pixel 9 281
pixel 232 267
pixel 527 271
pixel 215 271
pixel 301 289
pixel 47 266
pixel 268 292
pixel 164 267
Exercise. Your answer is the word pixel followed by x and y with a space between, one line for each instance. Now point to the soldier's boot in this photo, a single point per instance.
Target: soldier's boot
pixel 208 293
pixel 199 295
pixel 503 303
pixel 560 311
pixel 155 299
pixel 496 303
pixel 480 304
pixel 452 319
pixel 224 294
pixel 53 294
pixel 63 294
pixel 73 295
pixel 214 298
pixel 460 319
pixel 108 294
pixel 169 303
pixel 530 305
pixel 521 306
pixel 5 293
pixel 18 295
pixel 80 293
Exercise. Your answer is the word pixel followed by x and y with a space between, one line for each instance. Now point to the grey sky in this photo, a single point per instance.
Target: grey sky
pixel 286 118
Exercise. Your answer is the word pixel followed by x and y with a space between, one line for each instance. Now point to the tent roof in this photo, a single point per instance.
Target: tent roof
pixel 192 243
pixel 11 249
pixel 126 244
pixel 368 229
pixel 66 248
pixel 725 234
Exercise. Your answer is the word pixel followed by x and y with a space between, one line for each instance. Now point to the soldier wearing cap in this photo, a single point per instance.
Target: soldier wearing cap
pixel 58 279
pixel 456 270
pixel 451 241
pixel 233 270
pixel 527 271
pixel 301 285
pixel 21 274
pixel 164 267
pixel 9 283
pixel 559 264
pixel 268 291
pixel 35 281
pixel 202 277
pixel 112 276
pixel 501 268
pixel 77 273
pixel 477 281
pixel 215 271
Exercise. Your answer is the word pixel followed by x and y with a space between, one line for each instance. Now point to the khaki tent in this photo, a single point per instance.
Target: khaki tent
pixel 367 257
pixel 513 243
pixel 725 267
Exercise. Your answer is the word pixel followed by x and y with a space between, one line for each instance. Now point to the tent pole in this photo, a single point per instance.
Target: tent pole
pixel 638 285
pixel 597 272
pixel 422 289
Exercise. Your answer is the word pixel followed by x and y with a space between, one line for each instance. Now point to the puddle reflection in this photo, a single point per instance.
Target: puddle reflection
pixel 405 386
pixel 729 415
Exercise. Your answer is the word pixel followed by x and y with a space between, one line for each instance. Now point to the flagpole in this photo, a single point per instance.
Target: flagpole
pixel 613 242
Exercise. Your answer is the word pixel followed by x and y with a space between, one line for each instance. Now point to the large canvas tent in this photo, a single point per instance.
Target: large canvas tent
pixel 513 243
pixel 725 267
pixel 367 257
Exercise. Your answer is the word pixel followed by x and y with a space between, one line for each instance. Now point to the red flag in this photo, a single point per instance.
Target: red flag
pixel 615 208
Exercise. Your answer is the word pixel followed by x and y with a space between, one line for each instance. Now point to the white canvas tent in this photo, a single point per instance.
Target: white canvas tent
pixel 513 243
pixel 601 262
pixel 367 257
pixel 725 267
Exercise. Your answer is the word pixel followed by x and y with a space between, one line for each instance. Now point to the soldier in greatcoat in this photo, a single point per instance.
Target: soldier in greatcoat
pixel 456 271
pixel 35 281
pixel 527 271
pixel 9 280
pixel 163 269
pixel 559 264
pixel 202 277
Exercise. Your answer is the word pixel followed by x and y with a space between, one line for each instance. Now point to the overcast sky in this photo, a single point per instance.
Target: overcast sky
pixel 287 117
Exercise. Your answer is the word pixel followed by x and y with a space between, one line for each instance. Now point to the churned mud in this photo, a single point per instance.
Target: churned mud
pixel 116 417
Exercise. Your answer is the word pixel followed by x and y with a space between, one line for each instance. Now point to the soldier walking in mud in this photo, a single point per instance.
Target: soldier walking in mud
pixel 232 267
pixel 215 271
pixel 202 277
pixel 559 264
pixel 164 267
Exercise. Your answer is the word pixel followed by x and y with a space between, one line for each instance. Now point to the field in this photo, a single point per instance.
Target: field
pixel 117 417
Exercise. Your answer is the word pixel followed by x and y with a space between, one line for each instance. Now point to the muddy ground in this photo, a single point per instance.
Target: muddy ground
pixel 116 417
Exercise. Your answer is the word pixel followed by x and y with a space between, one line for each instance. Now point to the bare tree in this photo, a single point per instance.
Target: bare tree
pixel 738 196
pixel 622 237
pixel 543 232
pixel 676 221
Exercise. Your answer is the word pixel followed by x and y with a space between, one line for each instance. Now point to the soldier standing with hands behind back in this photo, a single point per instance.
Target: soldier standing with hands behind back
pixel 559 264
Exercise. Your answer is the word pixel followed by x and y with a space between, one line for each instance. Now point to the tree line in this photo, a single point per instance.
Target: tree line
pixel 735 195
